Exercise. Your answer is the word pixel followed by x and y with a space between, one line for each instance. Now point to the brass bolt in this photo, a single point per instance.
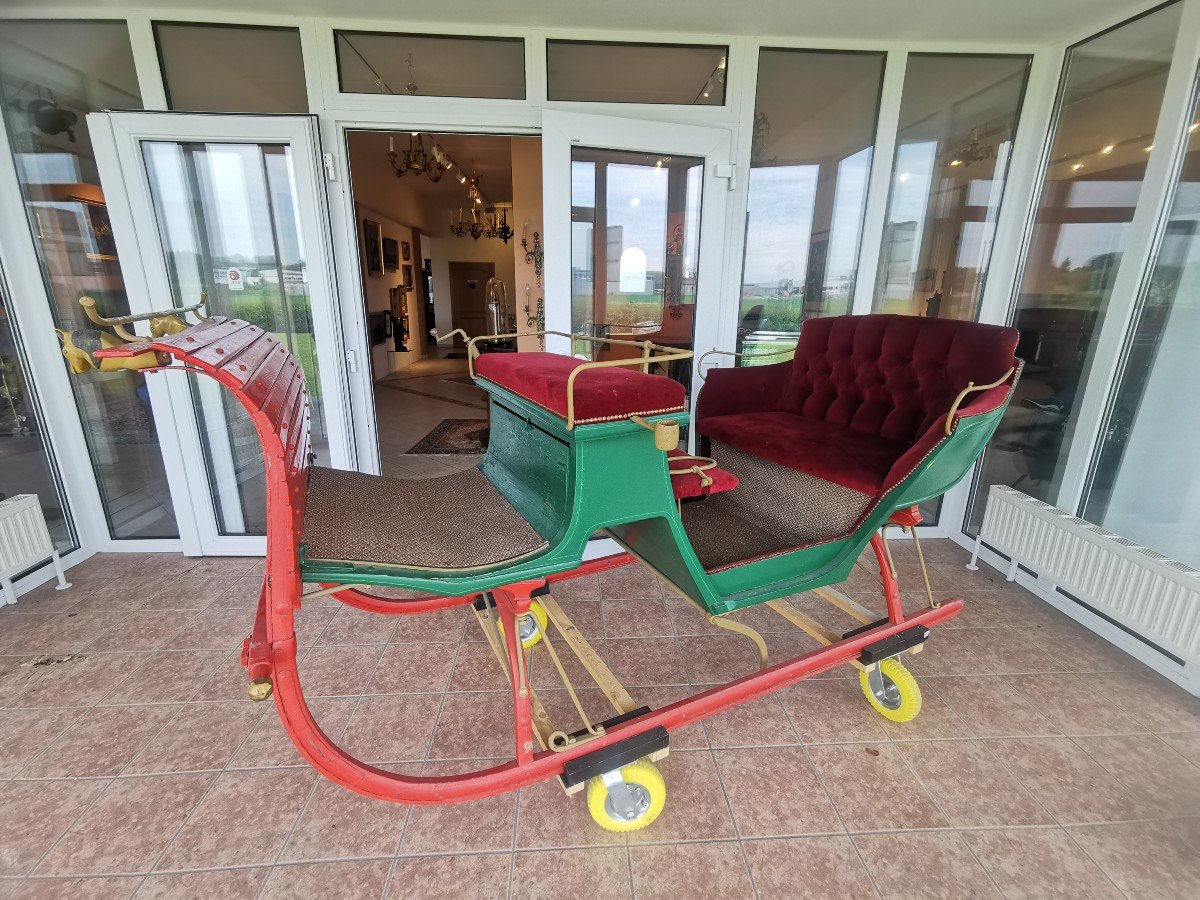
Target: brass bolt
pixel 260 689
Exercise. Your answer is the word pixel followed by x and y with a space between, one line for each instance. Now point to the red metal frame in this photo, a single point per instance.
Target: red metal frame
pixel 268 383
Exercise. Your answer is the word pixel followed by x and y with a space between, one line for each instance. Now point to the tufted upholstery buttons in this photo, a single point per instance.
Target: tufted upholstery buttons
pixel 891 376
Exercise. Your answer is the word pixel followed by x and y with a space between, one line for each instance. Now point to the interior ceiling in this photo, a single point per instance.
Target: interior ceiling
pixel 487 155
pixel 1037 21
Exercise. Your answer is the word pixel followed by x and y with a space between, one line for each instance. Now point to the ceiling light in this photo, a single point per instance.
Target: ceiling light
pixel 1151 147
pixel 903 176
pixel 1076 167
pixel 706 93
pixel 956 162
pixel 1193 127
pixel 635 201
pixel 1109 148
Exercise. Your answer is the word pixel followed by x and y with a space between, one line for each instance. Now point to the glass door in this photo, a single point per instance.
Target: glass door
pixel 634 215
pixel 231 209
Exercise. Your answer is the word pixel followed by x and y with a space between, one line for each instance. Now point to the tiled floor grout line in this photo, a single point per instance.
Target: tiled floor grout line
pixel 829 798
pixel 1095 862
pixel 737 828
pixel 317 781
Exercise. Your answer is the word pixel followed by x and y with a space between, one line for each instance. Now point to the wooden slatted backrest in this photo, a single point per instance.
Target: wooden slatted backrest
pixel 269 383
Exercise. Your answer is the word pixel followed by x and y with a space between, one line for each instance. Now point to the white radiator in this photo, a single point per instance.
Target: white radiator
pixel 1143 592
pixel 24 542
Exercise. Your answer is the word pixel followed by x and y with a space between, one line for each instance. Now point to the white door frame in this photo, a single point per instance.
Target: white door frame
pixel 117 141
pixel 716 310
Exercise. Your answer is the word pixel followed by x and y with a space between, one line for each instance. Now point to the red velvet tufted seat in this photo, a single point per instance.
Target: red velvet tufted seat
pixel 855 411
pixel 601 395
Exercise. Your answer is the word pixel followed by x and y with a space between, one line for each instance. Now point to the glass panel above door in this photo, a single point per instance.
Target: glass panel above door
pixel 635 229
pixel 430 65
pixel 809 169
pixel 611 72
pixel 52 73
pixel 230 229
pixel 1108 110
pixel 958 116
pixel 261 70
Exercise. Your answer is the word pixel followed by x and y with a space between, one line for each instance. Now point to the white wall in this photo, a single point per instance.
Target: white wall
pixel 377 287
pixel 526 213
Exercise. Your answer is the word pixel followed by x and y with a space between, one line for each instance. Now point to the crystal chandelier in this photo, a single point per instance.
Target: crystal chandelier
pixel 973 151
pixel 485 225
pixel 432 164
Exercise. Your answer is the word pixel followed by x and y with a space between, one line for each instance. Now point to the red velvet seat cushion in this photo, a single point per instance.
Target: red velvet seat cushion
pixel 601 395
pixel 688 484
pixel 836 453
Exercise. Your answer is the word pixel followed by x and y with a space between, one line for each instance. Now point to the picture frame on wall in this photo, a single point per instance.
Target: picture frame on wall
pixel 408 277
pixel 396 298
pixel 373 247
pixel 391 255
pixel 406 251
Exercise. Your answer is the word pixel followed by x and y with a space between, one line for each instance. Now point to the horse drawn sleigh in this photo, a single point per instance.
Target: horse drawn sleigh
pixel 805 463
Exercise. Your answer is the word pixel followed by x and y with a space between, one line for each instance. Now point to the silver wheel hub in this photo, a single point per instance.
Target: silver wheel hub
pixel 526 628
pixel 626 802
pixel 884 689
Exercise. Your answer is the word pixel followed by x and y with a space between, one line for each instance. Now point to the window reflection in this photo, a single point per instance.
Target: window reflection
pixel 1146 480
pixel 1108 110
pixel 231 230
pixel 646 232
pixel 51 75
pixel 26 466
pixel 811 161
pixel 957 119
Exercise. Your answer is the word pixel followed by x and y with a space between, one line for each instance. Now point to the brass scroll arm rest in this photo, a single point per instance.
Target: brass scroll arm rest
pixel 971 388
pixel 715 352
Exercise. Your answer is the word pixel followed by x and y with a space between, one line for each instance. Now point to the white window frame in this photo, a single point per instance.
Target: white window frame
pixel 338 112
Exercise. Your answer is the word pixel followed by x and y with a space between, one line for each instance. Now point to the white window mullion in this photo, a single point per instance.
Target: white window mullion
pixel 1022 191
pixel 151 83
pixel 879 187
pixel 1170 139
pixel 741 92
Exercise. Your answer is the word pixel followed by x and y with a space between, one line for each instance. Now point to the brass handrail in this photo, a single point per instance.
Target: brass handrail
pixel 743 354
pixel 969 389
pixel 651 353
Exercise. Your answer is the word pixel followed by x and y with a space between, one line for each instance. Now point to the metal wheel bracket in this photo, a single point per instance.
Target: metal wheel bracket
pixel 894 645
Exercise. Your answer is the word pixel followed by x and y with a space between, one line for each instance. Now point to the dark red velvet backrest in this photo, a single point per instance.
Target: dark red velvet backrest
pixel 891 376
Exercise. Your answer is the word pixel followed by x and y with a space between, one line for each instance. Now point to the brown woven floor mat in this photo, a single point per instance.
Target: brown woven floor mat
pixel 773 509
pixel 458 521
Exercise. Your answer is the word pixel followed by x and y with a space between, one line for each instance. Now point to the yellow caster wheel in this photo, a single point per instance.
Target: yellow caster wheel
pixel 892 691
pixel 530 633
pixel 628 799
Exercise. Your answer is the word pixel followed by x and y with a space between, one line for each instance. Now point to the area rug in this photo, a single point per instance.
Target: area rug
pixel 454 437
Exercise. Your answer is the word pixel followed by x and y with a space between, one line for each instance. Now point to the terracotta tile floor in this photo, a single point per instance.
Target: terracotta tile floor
pixel 1044 762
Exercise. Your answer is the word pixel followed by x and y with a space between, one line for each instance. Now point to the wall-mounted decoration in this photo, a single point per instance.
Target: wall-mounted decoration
pixel 534 255
pixel 396 297
pixel 391 255
pixel 373 247
pixel 406 251
pixel 408 277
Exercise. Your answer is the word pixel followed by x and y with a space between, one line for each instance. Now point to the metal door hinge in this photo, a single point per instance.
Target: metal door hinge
pixel 726 170
pixel 352 361
pixel 330 170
